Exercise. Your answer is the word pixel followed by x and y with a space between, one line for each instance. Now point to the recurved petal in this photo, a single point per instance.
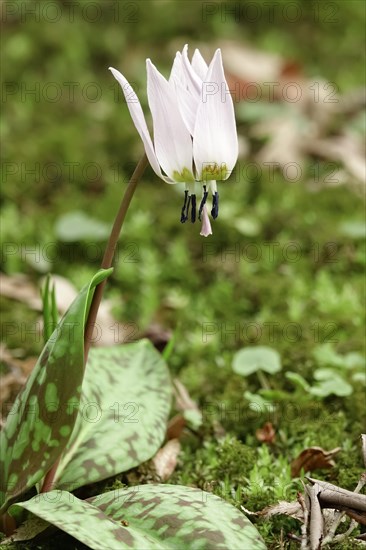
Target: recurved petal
pixel 199 64
pixel 138 118
pixel 172 140
pixel 215 140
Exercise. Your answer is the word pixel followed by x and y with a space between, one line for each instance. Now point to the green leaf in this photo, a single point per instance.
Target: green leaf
pixel 49 310
pixel 253 358
pixel 330 383
pixel 257 402
pixel 80 519
pixel 250 227
pixel 298 380
pixel 149 516
pixel 355 229
pixel 193 418
pixel 78 226
pixel 43 416
pixel 126 398
pixel 254 112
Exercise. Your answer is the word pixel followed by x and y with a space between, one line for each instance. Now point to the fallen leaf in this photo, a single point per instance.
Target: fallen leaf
pixel 250 66
pixel 19 287
pixel 285 144
pixel 346 148
pixel 291 509
pixel 313 458
pixel 266 434
pixel 27 530
pixel 165 460
pixel 176 426
pixel 183 399
pixel 158 335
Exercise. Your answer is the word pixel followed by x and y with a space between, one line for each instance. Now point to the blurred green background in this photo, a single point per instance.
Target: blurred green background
pixel 69 145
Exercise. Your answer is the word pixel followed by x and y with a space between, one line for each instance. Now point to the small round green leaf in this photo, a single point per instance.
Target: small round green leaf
pixel 78 226
pixel 254 358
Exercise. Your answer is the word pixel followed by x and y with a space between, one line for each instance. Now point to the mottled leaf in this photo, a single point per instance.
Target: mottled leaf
pixel 27 530
pixel 149 516
pixel 44 413
pixel 83 521
pixel 126 399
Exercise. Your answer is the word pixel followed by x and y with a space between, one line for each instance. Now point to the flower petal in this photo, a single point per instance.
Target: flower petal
pixel 215 140
pixel 187 104
pixel 173 143
pixel 199 65
pixel 138 118
pixel 177 72
pixel 187 95
pixel 193 80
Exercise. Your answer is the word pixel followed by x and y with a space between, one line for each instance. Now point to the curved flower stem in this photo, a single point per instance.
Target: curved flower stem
pixel 110 250
pixel 98 293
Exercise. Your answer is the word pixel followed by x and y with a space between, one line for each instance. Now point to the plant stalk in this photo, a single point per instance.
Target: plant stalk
pixel 110 251
pixel 98 292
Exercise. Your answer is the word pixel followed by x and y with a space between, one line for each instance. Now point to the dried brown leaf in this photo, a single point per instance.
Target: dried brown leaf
pixel 158 335
pixel 250 65
pixel 176 426
pixel 165 460
pixel 184 402
pixel 285 144
pixel 291 509
pixel 27 530
pixel 346 148
pixel 266 434
pixel 313 458
pixel 19 287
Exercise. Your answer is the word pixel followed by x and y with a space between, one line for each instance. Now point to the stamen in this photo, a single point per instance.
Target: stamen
pixel 193 211
pixel 183 216
pixel 215 205
pixel 203 202
pixel 188 205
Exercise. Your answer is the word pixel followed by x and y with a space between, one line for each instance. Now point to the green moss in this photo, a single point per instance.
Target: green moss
pixel 211 293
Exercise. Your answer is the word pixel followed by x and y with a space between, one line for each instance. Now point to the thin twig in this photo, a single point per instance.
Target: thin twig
pixel 304 526
pixel 316 525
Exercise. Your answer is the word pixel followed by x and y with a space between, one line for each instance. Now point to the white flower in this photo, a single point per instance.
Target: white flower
pixel 195 138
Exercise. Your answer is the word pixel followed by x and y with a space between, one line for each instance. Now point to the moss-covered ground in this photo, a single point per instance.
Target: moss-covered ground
pixel 284 268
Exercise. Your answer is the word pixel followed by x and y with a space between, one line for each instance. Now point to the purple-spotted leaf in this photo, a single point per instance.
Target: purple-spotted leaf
pixel 149 516
pixel 42 418
pixel 80 519
pixel 125 403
